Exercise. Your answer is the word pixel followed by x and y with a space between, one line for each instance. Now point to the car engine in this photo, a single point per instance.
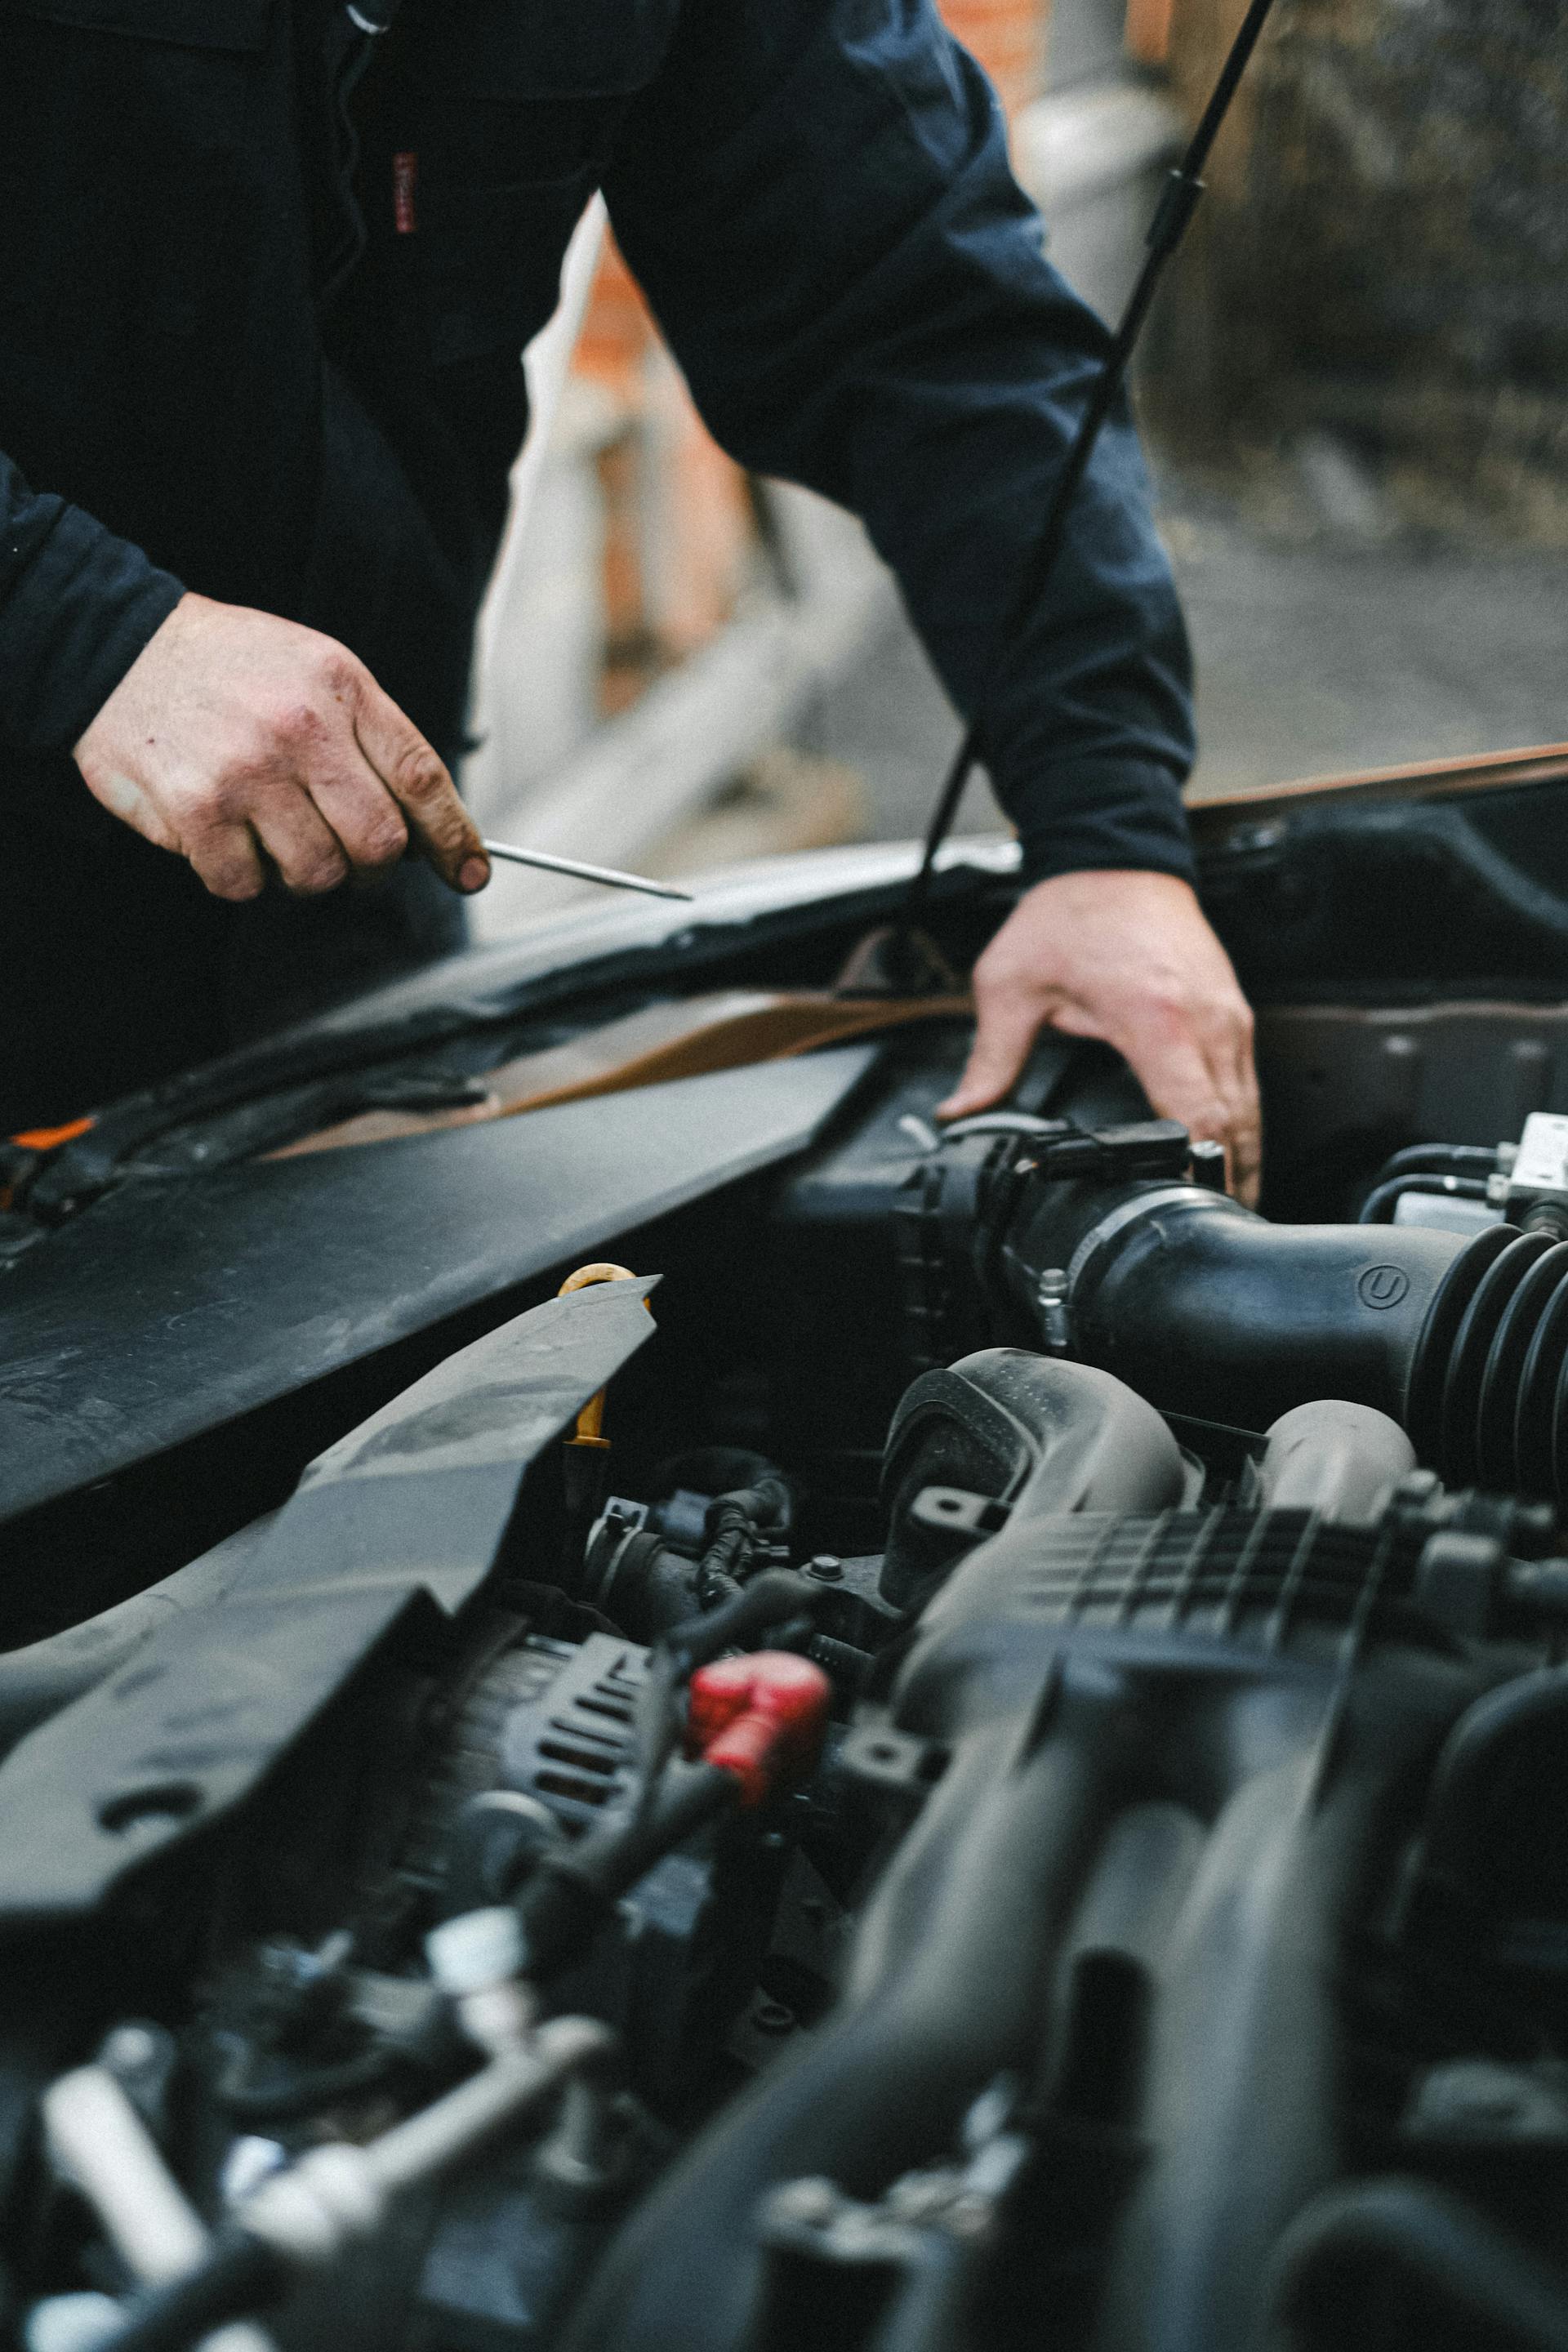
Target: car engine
pixel 1022 1804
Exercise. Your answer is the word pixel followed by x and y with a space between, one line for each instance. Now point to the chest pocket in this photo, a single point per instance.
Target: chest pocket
pixel 118 164
pixel 518 105
pixel 526 50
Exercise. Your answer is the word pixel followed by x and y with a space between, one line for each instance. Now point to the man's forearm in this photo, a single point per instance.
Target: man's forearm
pixel 1074 817
pixel 77 608
pixel 868 311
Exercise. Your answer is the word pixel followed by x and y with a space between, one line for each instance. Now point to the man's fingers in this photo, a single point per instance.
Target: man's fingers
pixel 1215 1105
pixel 1247 1150
pixel 300 842
pixel 1006 1026
pixel 361 812
pixel 124 798
pixel 1229 1047
pixel 1179 1084
pixel 1247 1167
pixel 1247 1180
pixel 423 790
pixel 227 859
pixel 1128 957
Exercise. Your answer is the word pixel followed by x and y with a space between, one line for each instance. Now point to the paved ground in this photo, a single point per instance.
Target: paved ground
pixel 1315 656
pixel 1327 635
pixel 1318 658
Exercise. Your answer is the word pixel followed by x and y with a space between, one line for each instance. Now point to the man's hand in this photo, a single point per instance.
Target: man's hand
pixel 1128 958
pixel 236 737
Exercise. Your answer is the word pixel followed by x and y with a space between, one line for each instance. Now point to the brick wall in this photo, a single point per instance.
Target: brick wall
pixel 1008 37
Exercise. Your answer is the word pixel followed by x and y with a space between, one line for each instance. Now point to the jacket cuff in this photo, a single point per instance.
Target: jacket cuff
pixel 1109 814
pixel 81 614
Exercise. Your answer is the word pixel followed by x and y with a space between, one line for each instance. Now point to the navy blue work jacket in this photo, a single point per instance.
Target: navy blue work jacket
pixel 251 349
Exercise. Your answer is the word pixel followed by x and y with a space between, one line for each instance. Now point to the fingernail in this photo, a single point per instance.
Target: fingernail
pixel 473 874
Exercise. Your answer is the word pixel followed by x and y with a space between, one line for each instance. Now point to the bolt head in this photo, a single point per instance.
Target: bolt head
pixel 480 1948
pixel 812 2203
pixel 130 2049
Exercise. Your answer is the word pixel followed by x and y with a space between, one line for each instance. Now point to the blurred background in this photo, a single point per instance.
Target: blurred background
pixel 1355 389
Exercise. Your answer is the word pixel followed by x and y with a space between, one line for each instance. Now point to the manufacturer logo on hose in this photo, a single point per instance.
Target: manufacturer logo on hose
pixel 1383 1286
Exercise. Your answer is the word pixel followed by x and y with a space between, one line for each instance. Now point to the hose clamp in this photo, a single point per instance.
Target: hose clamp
pixel 1169 1196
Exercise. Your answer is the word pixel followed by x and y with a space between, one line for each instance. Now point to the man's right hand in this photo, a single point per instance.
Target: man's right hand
pixel 1128 957
pixel 236 738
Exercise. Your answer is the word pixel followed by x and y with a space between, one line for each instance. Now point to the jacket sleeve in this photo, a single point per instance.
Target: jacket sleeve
pixel 77 606
pixel 815 197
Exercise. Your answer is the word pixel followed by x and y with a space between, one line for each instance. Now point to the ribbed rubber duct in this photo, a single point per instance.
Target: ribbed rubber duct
pixel 1207 1309
pixel 1487 1399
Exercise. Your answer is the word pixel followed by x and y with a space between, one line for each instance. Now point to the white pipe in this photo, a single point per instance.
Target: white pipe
pixel 101 2145
pixel 337 2193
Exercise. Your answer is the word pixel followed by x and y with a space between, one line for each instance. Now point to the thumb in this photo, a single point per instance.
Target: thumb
pixel 1006 1026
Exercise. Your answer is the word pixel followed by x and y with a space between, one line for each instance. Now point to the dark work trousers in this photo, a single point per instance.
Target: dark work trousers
pixel 121 969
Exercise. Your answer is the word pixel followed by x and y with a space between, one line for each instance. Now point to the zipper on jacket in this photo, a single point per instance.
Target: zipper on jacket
pixel 352 32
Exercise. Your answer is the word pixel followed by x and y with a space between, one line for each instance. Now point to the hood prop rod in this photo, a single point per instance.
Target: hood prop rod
pixel 1177 203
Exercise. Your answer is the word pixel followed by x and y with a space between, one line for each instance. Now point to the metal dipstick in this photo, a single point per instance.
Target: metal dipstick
pixel 609 875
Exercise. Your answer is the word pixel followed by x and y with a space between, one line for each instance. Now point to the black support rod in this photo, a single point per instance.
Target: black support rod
pixel 1177 204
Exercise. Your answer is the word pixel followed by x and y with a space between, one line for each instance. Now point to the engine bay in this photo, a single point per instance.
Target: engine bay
pixel 960 1742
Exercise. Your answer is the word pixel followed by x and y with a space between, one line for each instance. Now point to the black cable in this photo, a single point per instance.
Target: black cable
pixel 769 1600
pixel 570 1894
pixel 656 1724
pixel 239 2275
pixel 1439 1159
pixel 1377 1209
pixel 1176 207
pixel 302 2091
pixel 1336 2263
pixel 721 1571
pixel 738 1523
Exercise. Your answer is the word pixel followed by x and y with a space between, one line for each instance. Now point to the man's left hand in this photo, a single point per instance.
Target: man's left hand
pixel 1128 958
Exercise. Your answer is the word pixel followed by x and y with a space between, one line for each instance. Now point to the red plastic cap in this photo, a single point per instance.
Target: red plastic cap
pixel 760 1717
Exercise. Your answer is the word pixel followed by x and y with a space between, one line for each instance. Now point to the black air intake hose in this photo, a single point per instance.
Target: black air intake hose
pixel 1209 1311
